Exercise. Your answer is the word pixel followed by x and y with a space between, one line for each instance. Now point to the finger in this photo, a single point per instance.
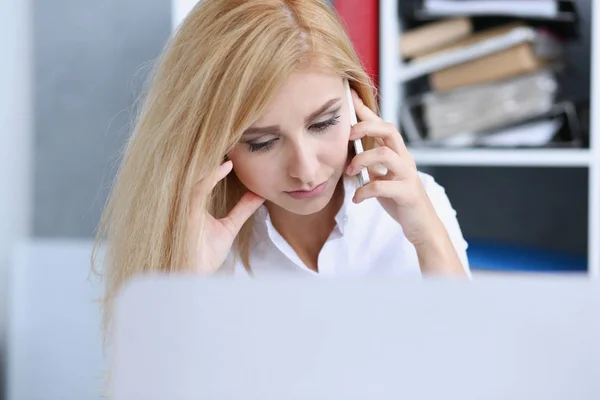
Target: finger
pixel 380 156
pixel 209 182
pixel 243 210
pixel 363 112
pixel 382 131
pixel 223 170
pixel 379 172
pixel 203 186
pixel 385 189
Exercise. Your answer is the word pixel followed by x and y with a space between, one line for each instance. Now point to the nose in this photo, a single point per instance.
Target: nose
pixel 303 163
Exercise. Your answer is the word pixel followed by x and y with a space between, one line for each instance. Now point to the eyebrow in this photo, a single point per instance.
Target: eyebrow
pixel 273 129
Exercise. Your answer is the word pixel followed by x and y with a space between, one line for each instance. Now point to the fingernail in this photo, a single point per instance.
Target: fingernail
pixel 227 164
pixel 349 170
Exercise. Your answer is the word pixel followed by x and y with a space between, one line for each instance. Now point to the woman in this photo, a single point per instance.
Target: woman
pixel 240 159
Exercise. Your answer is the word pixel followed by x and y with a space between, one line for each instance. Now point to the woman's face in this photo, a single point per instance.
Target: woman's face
pixel 296 152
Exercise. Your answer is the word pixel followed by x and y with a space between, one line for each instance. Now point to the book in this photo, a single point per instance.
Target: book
pixel 427 38
pixel 467 51
pixel 523 58
pixel 474 38
pixel 483 107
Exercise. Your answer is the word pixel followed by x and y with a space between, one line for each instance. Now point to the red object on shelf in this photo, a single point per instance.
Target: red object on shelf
pixel 361 18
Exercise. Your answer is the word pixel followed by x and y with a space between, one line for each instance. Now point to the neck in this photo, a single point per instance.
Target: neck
pixel 307 234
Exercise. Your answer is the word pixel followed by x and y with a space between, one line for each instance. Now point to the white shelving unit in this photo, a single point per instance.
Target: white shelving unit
pixel 494 157
pixel 391 92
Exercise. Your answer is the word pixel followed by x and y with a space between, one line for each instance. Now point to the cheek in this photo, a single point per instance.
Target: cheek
pixel 338 146
pixel 252 171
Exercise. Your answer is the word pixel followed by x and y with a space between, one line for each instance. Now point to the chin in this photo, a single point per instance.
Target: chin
pixel 311 206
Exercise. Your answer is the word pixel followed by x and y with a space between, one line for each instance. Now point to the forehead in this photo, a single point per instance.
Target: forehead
pixel 302 93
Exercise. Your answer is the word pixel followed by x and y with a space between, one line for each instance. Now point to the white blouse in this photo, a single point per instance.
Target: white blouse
pixel 365 242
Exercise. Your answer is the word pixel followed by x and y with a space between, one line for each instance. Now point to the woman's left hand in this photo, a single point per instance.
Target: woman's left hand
pixel 400 190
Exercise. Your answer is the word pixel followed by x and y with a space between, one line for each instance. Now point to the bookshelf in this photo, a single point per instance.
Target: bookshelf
pixel 392 94
pixel 498 157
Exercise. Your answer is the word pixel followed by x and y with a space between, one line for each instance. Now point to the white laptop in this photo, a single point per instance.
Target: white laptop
pixel 189 338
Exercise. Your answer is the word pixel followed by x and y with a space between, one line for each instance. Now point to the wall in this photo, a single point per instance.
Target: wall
pixel 15 139
pixel 87 61
pixel 91 57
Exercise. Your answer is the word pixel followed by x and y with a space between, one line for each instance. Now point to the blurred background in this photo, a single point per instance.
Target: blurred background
pixel 493 100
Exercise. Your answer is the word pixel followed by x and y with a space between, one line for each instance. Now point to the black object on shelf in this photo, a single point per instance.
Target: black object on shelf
pixel 565 23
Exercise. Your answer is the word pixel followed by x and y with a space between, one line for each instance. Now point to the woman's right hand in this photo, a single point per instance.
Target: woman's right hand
pixel 210 248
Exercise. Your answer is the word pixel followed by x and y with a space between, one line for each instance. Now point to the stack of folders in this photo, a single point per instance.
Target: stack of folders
pixel 491 70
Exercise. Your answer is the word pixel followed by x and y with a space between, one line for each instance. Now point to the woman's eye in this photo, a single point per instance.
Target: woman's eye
pixel 322 126
pixel 318 127
pixel 261 146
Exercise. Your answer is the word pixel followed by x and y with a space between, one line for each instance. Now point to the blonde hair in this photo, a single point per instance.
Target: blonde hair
pixel 214 79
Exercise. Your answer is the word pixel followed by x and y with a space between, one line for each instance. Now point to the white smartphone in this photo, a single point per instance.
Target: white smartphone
pixel 363 176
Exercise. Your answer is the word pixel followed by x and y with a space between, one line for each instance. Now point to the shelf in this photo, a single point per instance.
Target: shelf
pixel 393 92
pixel 502 157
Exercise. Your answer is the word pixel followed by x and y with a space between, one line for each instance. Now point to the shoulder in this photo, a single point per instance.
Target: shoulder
pixel 447 214
pixel 430 183
pixel 437 195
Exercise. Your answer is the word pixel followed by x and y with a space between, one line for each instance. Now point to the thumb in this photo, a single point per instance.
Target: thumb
pixel 243 210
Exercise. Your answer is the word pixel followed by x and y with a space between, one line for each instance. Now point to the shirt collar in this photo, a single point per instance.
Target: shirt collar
pixel 343 215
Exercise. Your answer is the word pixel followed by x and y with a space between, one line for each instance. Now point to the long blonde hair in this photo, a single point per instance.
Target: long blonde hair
pixel 214 79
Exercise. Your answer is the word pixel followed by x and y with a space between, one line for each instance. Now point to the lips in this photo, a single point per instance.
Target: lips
pixel 305 194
